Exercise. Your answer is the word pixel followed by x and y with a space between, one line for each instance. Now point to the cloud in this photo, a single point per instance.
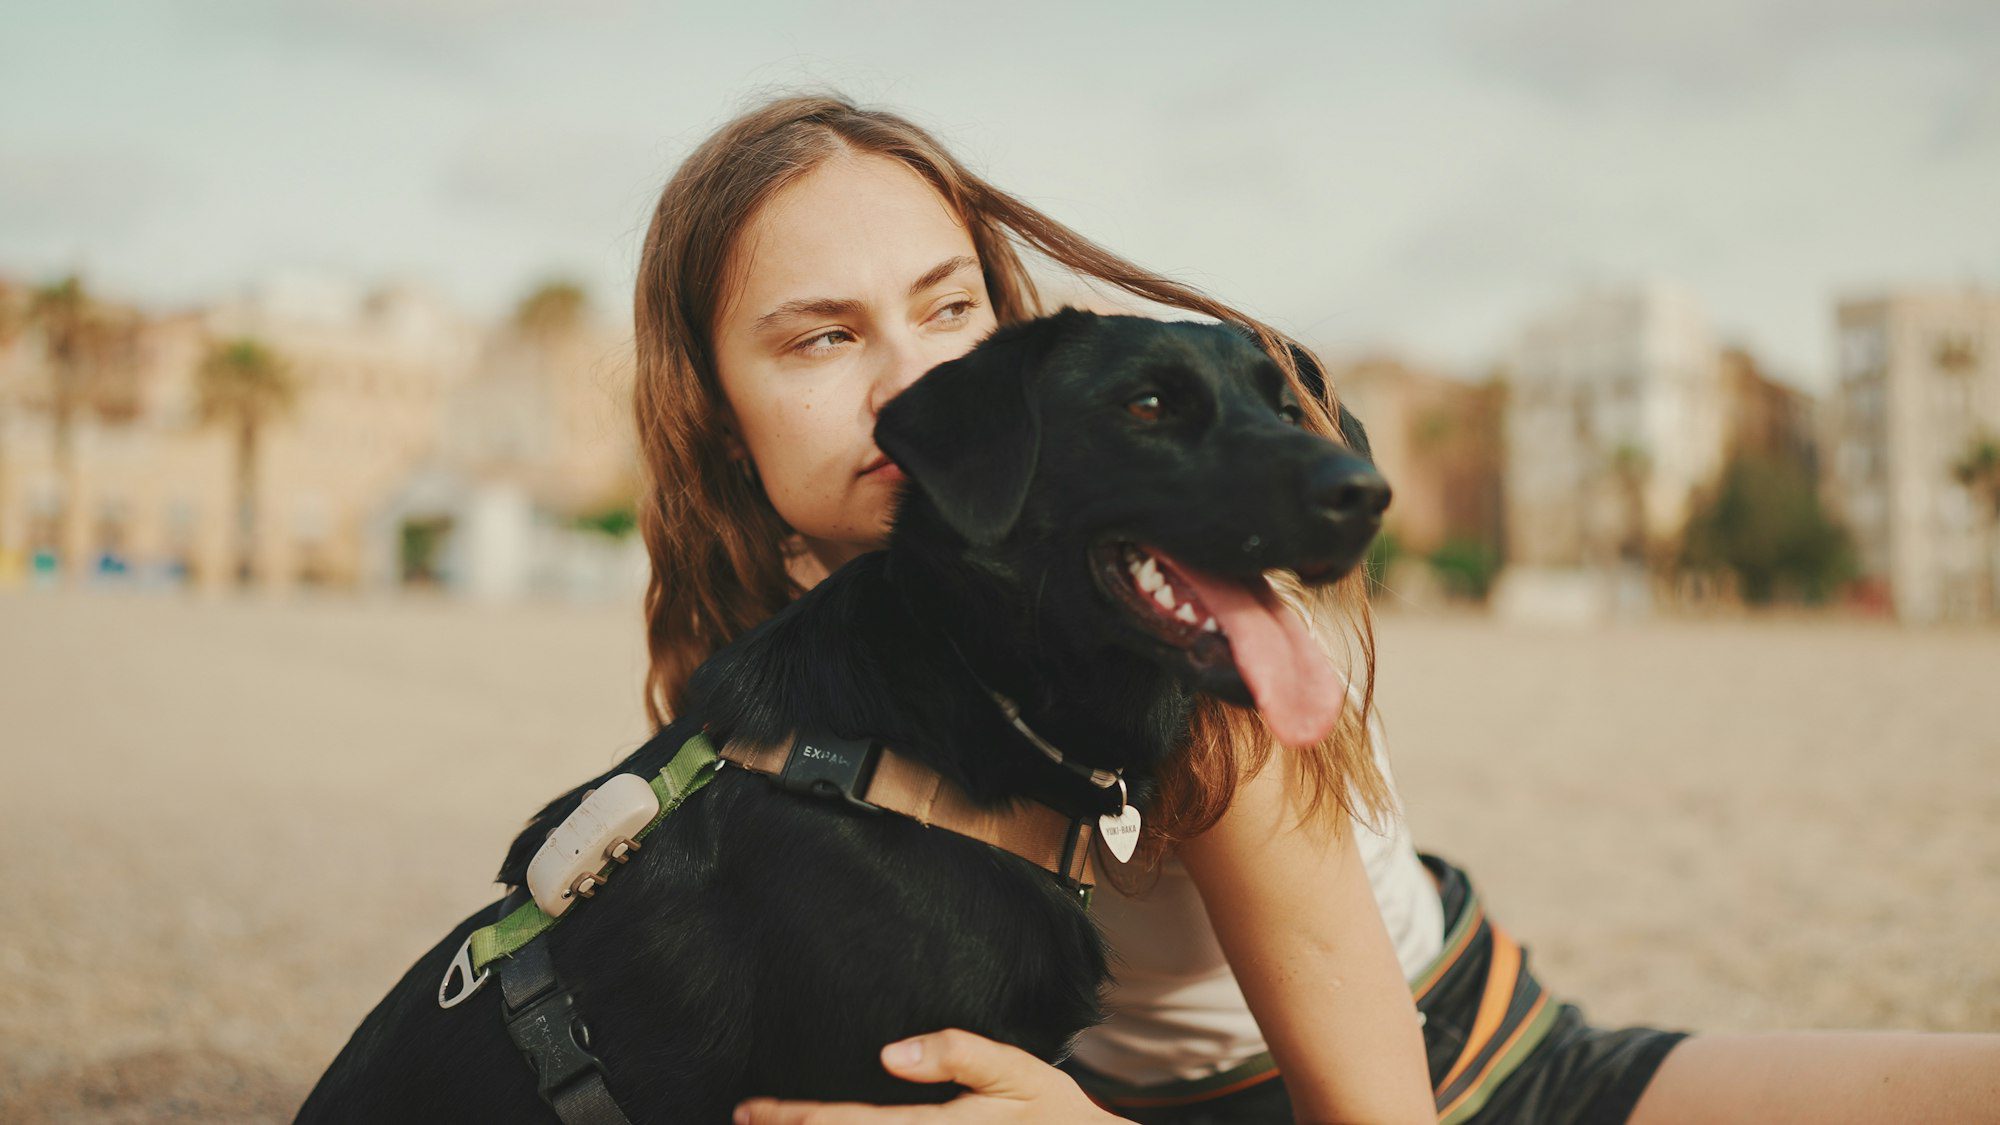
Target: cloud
pixel 1713 50
pixel 567 178
pixel 56 189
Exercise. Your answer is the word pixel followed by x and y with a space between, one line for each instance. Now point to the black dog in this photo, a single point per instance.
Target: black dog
pixel 1062 474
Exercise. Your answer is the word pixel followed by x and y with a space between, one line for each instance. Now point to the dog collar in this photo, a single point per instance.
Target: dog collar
pixel 1102 778
pixel 875 778
pixel 1119 830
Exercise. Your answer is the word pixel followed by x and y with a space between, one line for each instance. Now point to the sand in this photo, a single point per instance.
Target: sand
pixel 227 827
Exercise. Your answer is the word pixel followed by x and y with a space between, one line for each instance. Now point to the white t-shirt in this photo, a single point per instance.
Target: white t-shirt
pixel 1175 1009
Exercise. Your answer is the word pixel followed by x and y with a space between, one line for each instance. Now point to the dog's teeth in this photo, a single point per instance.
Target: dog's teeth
pixel 1185 612
pixel 1165 596
pixel 1209 626
pixel 1150 578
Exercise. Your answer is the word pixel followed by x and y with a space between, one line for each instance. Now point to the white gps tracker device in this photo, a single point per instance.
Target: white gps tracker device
pixel 602 830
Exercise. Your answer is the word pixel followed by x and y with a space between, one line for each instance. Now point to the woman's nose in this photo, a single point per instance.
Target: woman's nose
pixel 904 361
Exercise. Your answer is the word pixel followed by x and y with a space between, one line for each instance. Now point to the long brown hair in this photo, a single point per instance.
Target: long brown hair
pixel 721 555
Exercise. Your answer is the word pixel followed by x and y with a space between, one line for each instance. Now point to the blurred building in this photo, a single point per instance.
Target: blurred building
pixel 1437 440
pixel 1616 415
pixel 395 390
pixel 1765 417
pixel 1918 388
pixel 1617 412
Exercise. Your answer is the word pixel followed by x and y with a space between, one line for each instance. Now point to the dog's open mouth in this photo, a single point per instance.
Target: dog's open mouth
pixel 1224 624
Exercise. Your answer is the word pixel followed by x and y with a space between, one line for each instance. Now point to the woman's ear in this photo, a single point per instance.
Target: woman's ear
pixel 732 440
pixel 968 433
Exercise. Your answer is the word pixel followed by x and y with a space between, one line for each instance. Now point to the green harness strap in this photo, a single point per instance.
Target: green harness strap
pixel 691 768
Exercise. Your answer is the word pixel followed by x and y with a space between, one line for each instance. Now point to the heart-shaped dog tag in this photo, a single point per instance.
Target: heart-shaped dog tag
pixel 1121 832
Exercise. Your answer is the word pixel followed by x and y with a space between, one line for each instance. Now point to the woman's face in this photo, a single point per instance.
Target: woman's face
pixel 847 285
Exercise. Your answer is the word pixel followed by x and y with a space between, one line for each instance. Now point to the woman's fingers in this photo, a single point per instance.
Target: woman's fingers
pixel 977 1063
pixel 1002 1084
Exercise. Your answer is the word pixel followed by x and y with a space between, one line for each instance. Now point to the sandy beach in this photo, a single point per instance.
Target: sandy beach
pixel 227 827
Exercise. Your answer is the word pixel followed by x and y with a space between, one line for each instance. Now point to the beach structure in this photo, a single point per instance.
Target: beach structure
pixel 1616 413
pixel 421 448
pixel 1917 396
pixel 1437 440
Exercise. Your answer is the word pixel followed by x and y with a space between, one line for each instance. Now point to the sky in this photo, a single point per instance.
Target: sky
pixel 1413 177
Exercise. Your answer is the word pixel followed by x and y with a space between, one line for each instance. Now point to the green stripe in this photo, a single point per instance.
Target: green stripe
pixel 691 768
pixel 1543 1023
pixel 1468 919
pixel 1527 991
pixel 1110 1089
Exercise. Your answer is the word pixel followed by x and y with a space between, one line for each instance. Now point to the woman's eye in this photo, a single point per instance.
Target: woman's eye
pixel 964 307
pixel 811 345
pixel 1146 408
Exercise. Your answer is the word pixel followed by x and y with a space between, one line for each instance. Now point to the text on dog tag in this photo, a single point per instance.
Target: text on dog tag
pixel 1121 832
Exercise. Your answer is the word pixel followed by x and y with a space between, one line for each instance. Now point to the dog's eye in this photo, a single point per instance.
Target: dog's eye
pixel 1146 408
pixel 1292 414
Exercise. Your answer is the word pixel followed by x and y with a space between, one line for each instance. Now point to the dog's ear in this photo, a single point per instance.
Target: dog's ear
pixel 1352 433
pixel 968 432
pixel 1314 379
pixel 1309 372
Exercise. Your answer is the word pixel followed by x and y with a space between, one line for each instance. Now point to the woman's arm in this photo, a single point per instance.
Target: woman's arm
pixel 1293 910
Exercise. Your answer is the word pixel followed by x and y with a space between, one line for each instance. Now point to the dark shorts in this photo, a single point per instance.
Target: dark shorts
pixel 1501 1049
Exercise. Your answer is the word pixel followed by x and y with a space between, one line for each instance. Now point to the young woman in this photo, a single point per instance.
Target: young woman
pixel 807 262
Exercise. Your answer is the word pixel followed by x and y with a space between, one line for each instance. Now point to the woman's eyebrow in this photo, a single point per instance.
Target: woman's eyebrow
pixel 942 271
pixel 805 306
pixel 838 306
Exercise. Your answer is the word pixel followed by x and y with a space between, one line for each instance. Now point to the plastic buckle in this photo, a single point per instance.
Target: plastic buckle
pixel 821 765
pixel 554 1038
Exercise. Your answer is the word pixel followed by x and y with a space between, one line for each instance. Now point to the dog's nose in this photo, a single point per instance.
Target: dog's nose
pixel 1345 488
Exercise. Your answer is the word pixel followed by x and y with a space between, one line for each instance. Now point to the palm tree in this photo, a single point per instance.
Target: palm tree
pixel 13 325
pixel 1979 471
pixel 546 360
pixel 244 385
pixel 554 309
pixel 62 310
pixel 1631 466
pixel 92 353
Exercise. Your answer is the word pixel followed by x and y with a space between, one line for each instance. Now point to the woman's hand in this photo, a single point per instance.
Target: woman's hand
pixel 1002 1084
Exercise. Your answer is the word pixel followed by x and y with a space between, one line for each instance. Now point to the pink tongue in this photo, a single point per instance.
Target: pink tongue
pixel 1293 682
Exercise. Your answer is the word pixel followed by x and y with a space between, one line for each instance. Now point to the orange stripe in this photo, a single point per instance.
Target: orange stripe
pixel 1527 1021
pixel 1147 1103
pixel 1501 973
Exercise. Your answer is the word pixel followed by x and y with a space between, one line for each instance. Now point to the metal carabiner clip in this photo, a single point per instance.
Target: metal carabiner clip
pixel 460 967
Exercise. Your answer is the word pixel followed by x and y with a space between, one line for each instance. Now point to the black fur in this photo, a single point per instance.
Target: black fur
pixel 765 943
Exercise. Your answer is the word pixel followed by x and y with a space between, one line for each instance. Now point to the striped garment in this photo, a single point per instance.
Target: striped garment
pixel 1480 973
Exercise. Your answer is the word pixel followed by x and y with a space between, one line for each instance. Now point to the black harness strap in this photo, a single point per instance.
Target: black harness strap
pixel 543 1021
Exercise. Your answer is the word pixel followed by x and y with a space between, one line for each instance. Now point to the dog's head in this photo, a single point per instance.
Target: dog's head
pixel 1126 482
